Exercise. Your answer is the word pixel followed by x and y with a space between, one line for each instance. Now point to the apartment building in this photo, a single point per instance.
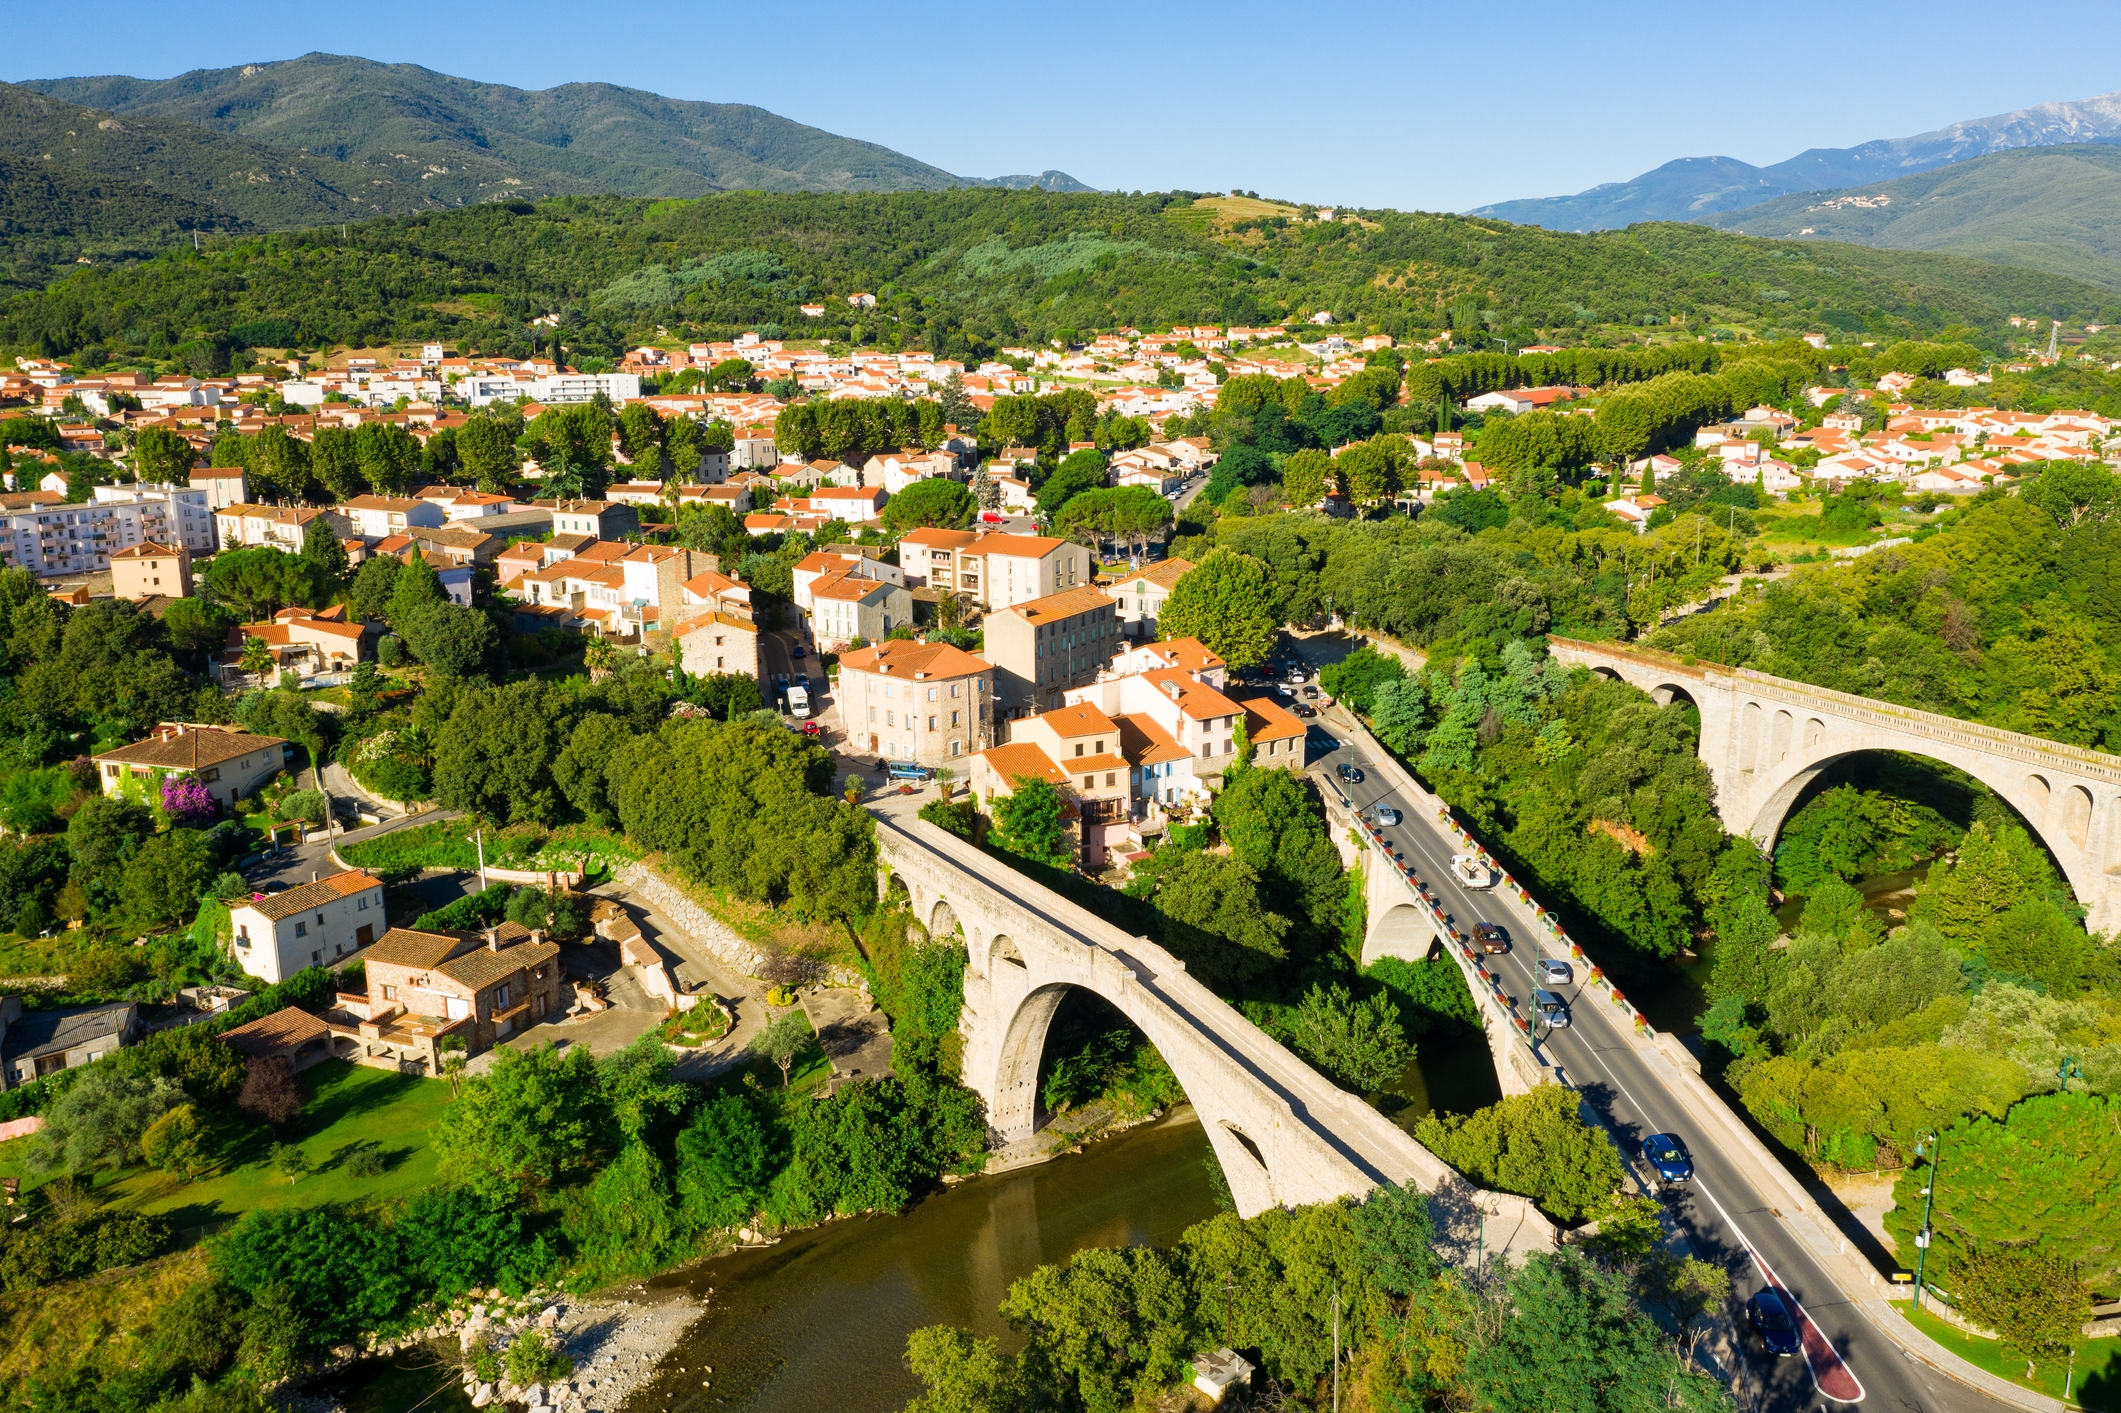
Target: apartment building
pixel 1080 750
pixel 996 571
pixel 380 517
pixel 844 607
pixel 55 540
pixel 224 485
pixel 279 526
pixel 148 569
pixel 1174 705
pixel 1043 647
pixel 860 561
pixel 315 924
pixel 905 700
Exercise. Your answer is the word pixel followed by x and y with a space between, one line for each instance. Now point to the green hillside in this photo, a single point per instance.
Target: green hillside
pixel 448 141
pixel 964 271
pixel 2044 208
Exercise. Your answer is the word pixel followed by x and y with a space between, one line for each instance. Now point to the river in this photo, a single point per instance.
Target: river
pixel 820 1321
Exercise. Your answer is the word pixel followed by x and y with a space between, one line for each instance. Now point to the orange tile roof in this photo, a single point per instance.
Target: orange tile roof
pixel 1022 758
pixel 310 895
pixel 1146 743
pixel 1196 699
pixel 1082 719
pixel 1268 720
pixel 1019 546
pixel 899 657
pixel 1188 654
pixel 1066 604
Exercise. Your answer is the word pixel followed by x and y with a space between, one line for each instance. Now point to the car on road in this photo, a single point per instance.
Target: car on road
pixel 1307 713
pixel 1667 1157
pixel 780 680
pixel 1311 694
pixel 1285 689
pixel 1494 939
pixel 907 770
pixel 1556 972
pixel 1471 871
pixel 1551 1008
pixel 811 728
pixel 1351 773
pixel 1770 1319
pixel 797 652
pixel 1387 816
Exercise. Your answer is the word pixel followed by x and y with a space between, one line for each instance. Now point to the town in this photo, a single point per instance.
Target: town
pixel 487 828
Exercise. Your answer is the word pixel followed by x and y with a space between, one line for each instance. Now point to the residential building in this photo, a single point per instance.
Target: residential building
pixel 148 568
pixel 1174 705
pixel 37 1043
pixel 315 924
pixel 928 557
pixel 599 519
pixel 995 570
pixel 860 561
pixel 425 988
pixel 302 640
pixel 713 642
pixel 1080 750
pixel 1140 596
pixel 290 1033
pixel 635 492
pixel 1188 655
pixel 229 762
pixel 281 527
pixel 165 514
pixel 224 485
pixel 1043 647
pixel 893 471
pixel 844 607
pixel 380 517
pixel 1522 400
pixel 929 703
pixel 1275 734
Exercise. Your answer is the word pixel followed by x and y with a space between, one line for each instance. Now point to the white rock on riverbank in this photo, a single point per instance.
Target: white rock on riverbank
pixel 615 1345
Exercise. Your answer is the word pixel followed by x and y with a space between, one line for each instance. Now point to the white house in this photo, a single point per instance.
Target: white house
pixel 279 934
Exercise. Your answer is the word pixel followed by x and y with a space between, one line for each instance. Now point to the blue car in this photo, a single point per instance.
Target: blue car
pixel 1668 1157
pixel 1770 1319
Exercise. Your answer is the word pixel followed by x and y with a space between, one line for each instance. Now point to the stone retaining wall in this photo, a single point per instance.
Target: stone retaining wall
pixel 715 936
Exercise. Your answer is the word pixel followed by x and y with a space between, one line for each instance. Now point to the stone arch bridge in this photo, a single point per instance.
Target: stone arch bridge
pixel 1284 1134
pixel 1764 739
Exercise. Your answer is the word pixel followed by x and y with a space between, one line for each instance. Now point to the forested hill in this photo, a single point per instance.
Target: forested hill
pixel 455 141
pixel 965 270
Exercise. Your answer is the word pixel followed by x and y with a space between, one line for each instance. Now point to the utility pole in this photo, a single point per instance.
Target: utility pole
pixel 1929 1199
pixel 478 838
pixel 1336 1349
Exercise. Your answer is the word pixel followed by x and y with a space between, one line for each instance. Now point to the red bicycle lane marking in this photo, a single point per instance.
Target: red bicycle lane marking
pixel 1831 1374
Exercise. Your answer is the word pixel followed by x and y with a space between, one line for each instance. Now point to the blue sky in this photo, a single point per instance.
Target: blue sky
pixel 1416 106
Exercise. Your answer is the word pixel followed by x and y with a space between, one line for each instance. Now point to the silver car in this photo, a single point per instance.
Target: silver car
pixel 1552 1008
pixel 1556 972
pixel 1387 816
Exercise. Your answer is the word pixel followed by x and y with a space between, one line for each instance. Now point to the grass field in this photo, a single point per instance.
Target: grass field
pixel 348 1106
pixel 2098 1375
pixel 41 956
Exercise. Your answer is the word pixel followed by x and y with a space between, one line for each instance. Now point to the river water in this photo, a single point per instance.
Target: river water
pixel 820 1321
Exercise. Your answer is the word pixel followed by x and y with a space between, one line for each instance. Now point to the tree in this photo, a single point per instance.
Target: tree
pixel 174 1143
pixel 966 1375
pixel 1082 471
pixel 258 582
pixel 524 1125
pixel 388 456
pixel 730 375
pixel 257 661
pixel 782 1041
pixel 270 1090
pixel 163 456
pixel 1308 476
pixel 160 884
pixel 1028 823
pixel 932 502
pixel 451 639
pixel 724 1162
pixel 2035 1300
pixel 1567 1336
pixel 101 1118
pixel 1215 919
pixel 1683 1287
pixel 323 553
pixel 487 448
pixel 1358 1044
pixel 415 587
pixel 1535 1145
pixel 1227 603
pixel 104 831
pixel 289 1162
pixel 641 434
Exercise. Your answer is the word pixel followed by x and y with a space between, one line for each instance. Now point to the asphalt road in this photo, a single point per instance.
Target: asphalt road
pixel 1720 1213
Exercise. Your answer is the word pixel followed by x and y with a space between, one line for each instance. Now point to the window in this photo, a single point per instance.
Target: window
pixel 316 958
pixel 931 694
pixel 361 904
pixel 1108 779
pixel 931 723
pixel 1078 748
pixel 872 716
pixel 953 688
pixel 500 997
pixel 390 993
pixel 301 929
pixel 955 746
pixel 890 718
pixel 1207 748
pixel 953 718
pixel 1089 782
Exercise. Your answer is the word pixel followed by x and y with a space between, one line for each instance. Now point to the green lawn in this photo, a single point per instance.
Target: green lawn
pixel 2098 1380
pixel 42 956
pixel 349 1105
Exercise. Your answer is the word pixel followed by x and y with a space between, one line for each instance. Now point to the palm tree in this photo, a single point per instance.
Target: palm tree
pixel 257 659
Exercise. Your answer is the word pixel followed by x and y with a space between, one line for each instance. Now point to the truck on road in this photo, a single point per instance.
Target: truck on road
pixel 799 701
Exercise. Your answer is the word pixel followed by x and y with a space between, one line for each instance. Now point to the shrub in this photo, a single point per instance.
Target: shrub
pixel 534 1359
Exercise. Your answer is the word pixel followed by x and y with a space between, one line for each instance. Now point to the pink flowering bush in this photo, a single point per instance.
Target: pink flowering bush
pixel 186 801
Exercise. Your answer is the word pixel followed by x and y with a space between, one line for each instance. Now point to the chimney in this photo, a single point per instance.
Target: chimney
pixel 537 935
pixel 493 939
pixel 314 875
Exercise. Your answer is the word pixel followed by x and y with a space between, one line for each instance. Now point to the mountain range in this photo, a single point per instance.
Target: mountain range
pixel 1693 188
pixel 95 163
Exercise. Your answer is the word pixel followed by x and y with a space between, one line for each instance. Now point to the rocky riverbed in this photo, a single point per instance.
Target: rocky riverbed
pixel 614 1343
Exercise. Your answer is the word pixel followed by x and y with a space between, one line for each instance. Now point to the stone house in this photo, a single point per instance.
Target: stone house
pixel 425 987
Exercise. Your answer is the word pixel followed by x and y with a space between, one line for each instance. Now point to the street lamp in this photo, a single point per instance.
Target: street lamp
pixel 1933 1142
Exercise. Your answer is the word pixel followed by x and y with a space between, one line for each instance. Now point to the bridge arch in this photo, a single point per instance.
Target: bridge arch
pixel 2062 819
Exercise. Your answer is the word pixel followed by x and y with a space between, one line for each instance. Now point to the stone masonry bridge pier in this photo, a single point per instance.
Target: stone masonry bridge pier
pixel 1284 1135
pixel 1764 739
